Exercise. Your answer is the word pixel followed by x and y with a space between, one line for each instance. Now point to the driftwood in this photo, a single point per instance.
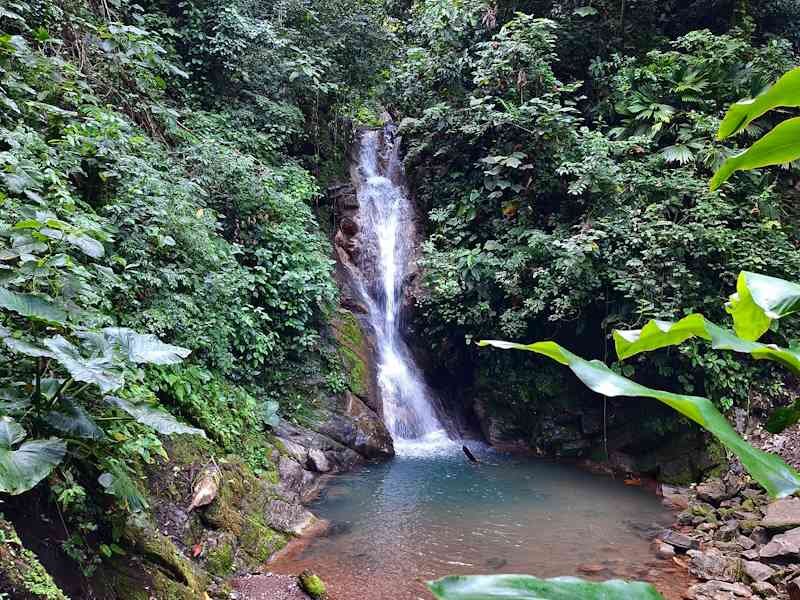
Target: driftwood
pixel 469 454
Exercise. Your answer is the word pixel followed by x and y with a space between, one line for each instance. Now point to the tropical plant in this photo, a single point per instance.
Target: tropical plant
pixel 779 146
pixel 508 587
pixel 758 301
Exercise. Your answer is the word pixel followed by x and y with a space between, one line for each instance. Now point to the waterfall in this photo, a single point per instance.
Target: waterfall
pixel 388 239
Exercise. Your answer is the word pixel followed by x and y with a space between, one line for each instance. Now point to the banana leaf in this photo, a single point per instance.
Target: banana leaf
pixel 785 92
pixel 660 334
pixel 758 300
pixel 778 478
pixel 525 587
pixel 779 146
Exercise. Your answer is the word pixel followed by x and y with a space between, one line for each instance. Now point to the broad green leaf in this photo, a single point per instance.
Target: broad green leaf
pixel 88 245
pixel 26 348
pixel 160 420
pixel 31 306
pixel 145 348
pixel 73 419
pixel 99 369
pixel 11 433
pixel 525 587
pixel 758 300
pixel 778 478
pixel 23 468
pixel 785 92
pixel 660 334
pixel 779 146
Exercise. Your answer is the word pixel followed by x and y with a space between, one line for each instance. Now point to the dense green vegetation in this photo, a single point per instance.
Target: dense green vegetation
pixel 568 194
pixel 164 260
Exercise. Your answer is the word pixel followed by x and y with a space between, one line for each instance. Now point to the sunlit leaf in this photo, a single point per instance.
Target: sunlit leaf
pixel 758 300
pixel 525 587
pixel 785 92
pixel 660 334
pixel 145 348
pixel 778 147
pixel 100 370
pixel 160 420
pixel 778 478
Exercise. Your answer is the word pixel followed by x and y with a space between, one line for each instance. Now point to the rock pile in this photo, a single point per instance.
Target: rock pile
pixel 735 540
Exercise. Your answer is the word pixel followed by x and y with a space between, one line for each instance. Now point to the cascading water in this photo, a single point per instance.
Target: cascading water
pixel 387 237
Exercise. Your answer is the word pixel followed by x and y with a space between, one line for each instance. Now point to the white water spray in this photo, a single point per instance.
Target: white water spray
pixel 387 234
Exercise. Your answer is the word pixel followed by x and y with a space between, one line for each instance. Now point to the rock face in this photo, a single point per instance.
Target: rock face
pixel 786 544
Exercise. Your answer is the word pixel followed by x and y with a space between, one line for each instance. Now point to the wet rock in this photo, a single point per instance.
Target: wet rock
pixel 757 571
pixel 678 540
pixel 713 491
pixel 288 517
pixel 793 587
pixel 782 545
pixel 496 563
pixel 712 564
pixel 728 531
pixel 744 542
pixel 719 590
pixel 663 551
pixel 782 514
pixel 317 461
pixel 760 535
pixel 676 497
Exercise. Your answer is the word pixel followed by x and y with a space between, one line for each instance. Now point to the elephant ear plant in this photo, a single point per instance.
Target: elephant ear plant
pixel 63 374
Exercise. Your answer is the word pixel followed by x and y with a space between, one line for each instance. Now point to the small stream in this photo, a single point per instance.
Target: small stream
pixel 418 517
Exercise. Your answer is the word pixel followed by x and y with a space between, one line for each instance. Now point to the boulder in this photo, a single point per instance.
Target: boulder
pixel 663 551
pixel 713 565
pixel 783 545
pixel 764 589
pixel 782 514
pixel 317 461
pixel 713 491
pixel 678 540
pixel 757 571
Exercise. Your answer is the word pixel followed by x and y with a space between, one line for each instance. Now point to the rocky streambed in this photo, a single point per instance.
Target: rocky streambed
pixel 732 538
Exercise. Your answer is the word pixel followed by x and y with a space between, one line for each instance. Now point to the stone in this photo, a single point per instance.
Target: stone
pixel 760 535
pixel 728 531
pixel 782 514
pixel 793 587
pixel 663 551
pixel 783 545
pixel 676 497
pixel 750 554
pixel 679 540
pixel 712 564
pixel 317 461
pixel 745 542
pixel 764 589
pixel 718 590
pixel 591 569
pixel 713 491
pixel 757 571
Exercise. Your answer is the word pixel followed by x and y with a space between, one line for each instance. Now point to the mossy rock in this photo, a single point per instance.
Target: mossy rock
pixel 220 561
pixel 312 585
pixel 22 576
pixel 353 351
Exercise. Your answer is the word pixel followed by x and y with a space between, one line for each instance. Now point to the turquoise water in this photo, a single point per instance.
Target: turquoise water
pixel 394 525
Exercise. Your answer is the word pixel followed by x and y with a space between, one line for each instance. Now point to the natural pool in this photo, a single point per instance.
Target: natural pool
pixel 428 514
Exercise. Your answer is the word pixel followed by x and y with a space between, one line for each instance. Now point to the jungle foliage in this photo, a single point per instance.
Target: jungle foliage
pixel 568 193
pixel 162 270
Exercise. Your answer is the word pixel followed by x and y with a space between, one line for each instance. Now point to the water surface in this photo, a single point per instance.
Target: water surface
pixel 431 513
